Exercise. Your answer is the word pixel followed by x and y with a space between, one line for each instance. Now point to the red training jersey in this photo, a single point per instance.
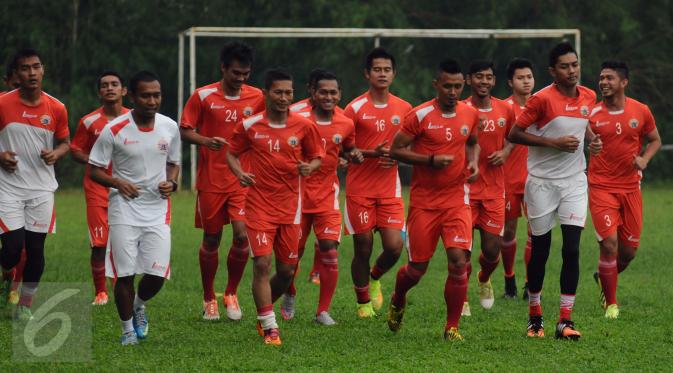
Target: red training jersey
pixel 374 124
pixel 274 151
pixel 437 133
pixel 515 166
pixel 86 134
pixel 212 113
pixel 622 133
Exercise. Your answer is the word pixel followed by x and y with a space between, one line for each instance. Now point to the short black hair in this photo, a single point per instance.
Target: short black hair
pixel 559 50
pixel 450 66
pixel 273 75
pixel 236 51
pixel 313 75
pixel 518 63
pixel 141 76
pixel 110 73
pixel 480 65
pixel 21 54
pixel 618 66
pixel 378 52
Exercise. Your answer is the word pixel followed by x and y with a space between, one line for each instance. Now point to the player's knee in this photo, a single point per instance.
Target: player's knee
pixel 627 254
pixel 262 265
pixel 240 240
pixel 98 254
pixel 211 241
pixel 327 245
pixel 286 272
pixel 609 246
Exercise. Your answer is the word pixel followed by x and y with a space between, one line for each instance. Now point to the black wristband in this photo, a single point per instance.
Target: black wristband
pixel 431 160
pixel 175 185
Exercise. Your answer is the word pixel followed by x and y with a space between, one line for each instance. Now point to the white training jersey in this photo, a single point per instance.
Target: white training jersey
pixel 139 157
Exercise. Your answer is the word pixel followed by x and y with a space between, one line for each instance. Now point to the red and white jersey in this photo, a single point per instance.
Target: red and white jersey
pixel 374 124
pixel 437 133
pixel 321 188
pixel 26 131
pixel 213 114
pixel 515 166
pixel 274 151
pixel 304 106
pixel 622 133
pixel 86 134
pixel 548 113
pixel 138 156
pixel 493 129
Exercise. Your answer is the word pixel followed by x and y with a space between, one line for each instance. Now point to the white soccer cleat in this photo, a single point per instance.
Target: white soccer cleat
pixel 287 307
pixel 233 309
pixel 324 318
pixel 466 309
pixel 486 297
pixel 129 338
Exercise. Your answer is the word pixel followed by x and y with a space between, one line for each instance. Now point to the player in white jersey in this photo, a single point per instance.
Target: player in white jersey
pixel 33 136
pixel 144 150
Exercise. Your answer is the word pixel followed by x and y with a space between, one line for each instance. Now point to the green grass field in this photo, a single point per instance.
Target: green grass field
pixel 179 340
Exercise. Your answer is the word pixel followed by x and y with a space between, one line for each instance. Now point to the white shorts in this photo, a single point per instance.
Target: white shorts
pixel 134 250
pixel 547 198
pixel 35 214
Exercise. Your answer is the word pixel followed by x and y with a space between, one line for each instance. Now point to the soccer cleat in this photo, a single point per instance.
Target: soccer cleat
pixel 612 312
pixel 5 288
pixel 510 288
pixel 140 322
pixel 13 297
pixel 233 309
pixel 366 311
pixel 260 331
pixel 466 309
pixel 395 315
pixel 100 300
pixel 314 278
pixel 565 329
pixel 535 326
pixel 129 338
pixel 22 313
pixel 324 318
pixel 486 297
pixel 211 310
pixel 375 294
pixel 525 291
pixel 452 334
pixel 601 295
pixel 272 337
pixel 287 307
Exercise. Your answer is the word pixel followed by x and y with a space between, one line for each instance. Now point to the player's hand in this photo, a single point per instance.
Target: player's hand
pixel 441 160
pixel 246 179
pixel 216 143
pixel 165 189
pixel 382 150
pixel 596 145
pixel 8 161
pixel 473 168
pixel 386 162
pixel 127 190
pixel 568 144
pixel 356 156
pixel 497 158
pixel 343 163
pixel 48 156
pixel 639 163
pixel 304 168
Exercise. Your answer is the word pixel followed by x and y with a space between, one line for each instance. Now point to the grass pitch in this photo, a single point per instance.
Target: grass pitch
pixel 494 340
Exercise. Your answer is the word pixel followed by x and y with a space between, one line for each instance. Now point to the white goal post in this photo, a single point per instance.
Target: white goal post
pixel 297 32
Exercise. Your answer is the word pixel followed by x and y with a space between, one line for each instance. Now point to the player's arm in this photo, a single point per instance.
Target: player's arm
pixel 191 136
pixel 653 145
pixel 8 161
pixel 170 185
pixel 245 178
pixel 77 144
pixel 60 149
pixel 499 157
pixel 306 169
pixel 594 141
pixel 99 175
pixel 518 135
pixel 472 151
pixel 401 151
pixel 351 154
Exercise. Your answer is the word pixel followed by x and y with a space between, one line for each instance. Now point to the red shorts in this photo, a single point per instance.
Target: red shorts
pixel 214 210
pixel 514 207
pixel 489 215
pixel 620 213
pixel 96 218
pixel 362 214
pixel 425 227
pixel 281 239
pixel 326 225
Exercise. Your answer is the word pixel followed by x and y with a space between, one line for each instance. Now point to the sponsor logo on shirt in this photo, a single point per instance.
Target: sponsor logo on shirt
pixel 293 141
pixel 394 221
pixel 460 239
pixel 396 120
pixel 45 120
pixel 633 123
pixel 260 136
pixel 213 106
pixel 96 132
pixel 365 116
pixel 601 124
pixel 241 212
pixel 434 126
pixel 337 138
pixel 571 108
pixel 162 145
pixel 130 142
pixel 247 111
pixel 29 116
pixel 464 130
pixel 293 256
pixel 501 122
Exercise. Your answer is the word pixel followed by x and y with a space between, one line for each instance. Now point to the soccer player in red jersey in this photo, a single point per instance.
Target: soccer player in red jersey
pixel 320 209
pixel 373 189
pixel 439 138
pixel 520 79
pixel 208 120
pixel 615 200
pixel 554 124
pixel 111 91
pixel 487 192
pixel 34 135
pixel 283 147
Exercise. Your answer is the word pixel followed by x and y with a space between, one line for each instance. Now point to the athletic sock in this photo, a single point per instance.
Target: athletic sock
pixel 236 262
pixel 566 309
pixel 28 291
pixel 267 317
pixel 407 278
pixel 376 272
pixel 487 267
pixel 138 303
pixel 508 252
pixel 455 290
pixel 292 289
pixel 98 274
pixel 127 325
pixel 208 261
pixel 534 307
pixel 329 274
pixel 362 294
pixel 607 271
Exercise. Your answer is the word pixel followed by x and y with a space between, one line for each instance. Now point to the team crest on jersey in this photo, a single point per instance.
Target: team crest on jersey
pixel 633 123
pixel 45 120
pixel 501 122
pixel 396 120
pixel 293 141
pixel 584 110
pixel 162 145
pixel 464 130
pixel 247 111
pixel 337 138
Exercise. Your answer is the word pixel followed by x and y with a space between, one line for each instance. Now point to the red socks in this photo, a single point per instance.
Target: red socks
pixel 508 252
pixel 329 274
pixel 607 271
pixel 362 294
pixel 567 303
pixel 487 267
pixel 534 308
pixel 455 290
pixel 376 272
pixel 407 278
pixel 236 261
pixel 98 273
pixel 208 260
